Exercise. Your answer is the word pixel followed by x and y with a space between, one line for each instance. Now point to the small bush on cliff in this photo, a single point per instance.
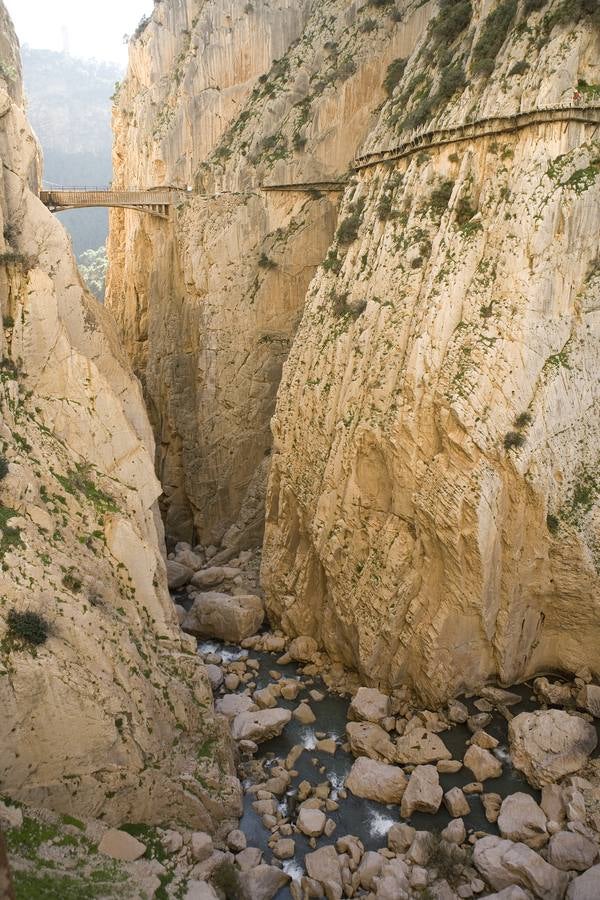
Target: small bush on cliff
pixel 3 467
pixel 71 582
pixel 265 262
pixel 141 27
pixel 440 197
pixel 28 627
pixel 454 16
pixel 523 420
pixel 513 439
pixel 533 6
pixel 552 523
pixel 393 76
pixel 348 229
pixel 493 34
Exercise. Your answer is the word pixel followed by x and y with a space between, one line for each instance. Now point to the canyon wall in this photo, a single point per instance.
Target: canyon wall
pixel 106 711
pixel 433 512
pixel 224 98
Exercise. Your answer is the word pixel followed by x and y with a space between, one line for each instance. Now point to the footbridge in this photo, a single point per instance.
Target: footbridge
pixel 588 113
pixel 155 202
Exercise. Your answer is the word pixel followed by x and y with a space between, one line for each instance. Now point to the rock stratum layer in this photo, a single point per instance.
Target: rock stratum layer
pixel 433 511
pixel 106 711
pixel 226 98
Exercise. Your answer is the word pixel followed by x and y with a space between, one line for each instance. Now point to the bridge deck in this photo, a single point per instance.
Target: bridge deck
pixel 154 202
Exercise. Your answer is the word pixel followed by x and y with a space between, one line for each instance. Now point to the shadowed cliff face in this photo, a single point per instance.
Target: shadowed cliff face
pixel 103 701
pixel 445 525
pixel 225 97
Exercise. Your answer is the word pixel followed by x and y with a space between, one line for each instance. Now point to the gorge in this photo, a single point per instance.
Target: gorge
pixel 342 401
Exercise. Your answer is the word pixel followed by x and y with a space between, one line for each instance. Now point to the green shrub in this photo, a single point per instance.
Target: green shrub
pixel 513 439
pixel 8 322
pixel 519 68
pixel 454 16
pixel 552 523
pixel 265 262
pixel 572 11
pixel 523 420
pixel 331 263
pixel 226 878
pixel 464 211
pixel 380 4
pixel 71 582
pixel 368 26
pixel 12 258
pixel 393 76
pixel 3 467
pixel 299 142
pixel 348 229
pixel 440 197
pixel 396 15
pixel 141 27
pixel 533 5
pixel 29 627
pixel 492 36
pixel 452 79
pixel 384 207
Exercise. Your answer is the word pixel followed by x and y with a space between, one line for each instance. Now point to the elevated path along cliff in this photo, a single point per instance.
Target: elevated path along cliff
pixel 588 113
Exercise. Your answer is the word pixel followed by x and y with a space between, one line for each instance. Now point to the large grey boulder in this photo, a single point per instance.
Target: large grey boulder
pixel 260 725
pixel 377 781
pixel 367 739
pixel 231 705
pixel 547 744
pixel 120 845
pixel 571 851
pixel 503 863
pixel 521 819
pixel 369 705
pixel 178 575
pixel 323 865
pixel 423 793
pixel 482 763
pixel 224 617
pixel 263 882
pixel 585 887
pixel 420 746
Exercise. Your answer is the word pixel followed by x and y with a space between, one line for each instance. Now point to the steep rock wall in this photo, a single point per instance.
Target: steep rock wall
pixel 106 715
pixel 433 511
pixel 224 97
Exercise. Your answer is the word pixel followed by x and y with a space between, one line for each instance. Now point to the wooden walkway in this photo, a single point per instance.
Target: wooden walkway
pixel 156 202
pixel 452 134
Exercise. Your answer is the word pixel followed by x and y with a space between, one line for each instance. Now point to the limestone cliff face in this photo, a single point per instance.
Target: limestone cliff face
pixel 104 705
pixel 225 97
pixel 433 510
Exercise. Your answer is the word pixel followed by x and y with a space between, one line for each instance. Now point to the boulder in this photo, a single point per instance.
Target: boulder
pixel 553 692
pixel 482 763
pixel 457 711
pixel 311 822
pixel 201 845
pixel 323 865
pixel 224 617
pixel 215 676
pixel 521 819
pixel 423 792
pixel 231 705
pixel 260 725
pixel 121 845
pixel 263 882
pixel 377 781
pixel 369 705
pixel 178 575
pixel 568 850
pixel 249 858
pixel 304 714
pixel 284 848
pixel 400 837
pixel 367 739
pixel 589 698
pixel 421 746
pixel 491 804
pixel 503 863
pixel 547 744
pixel 514 892
pixel 200 890
pixel 456 803
pixel 190 559
pixel 370 867
pixel 303 649
pixel 454 832
pixel 236 841
pixel 585 887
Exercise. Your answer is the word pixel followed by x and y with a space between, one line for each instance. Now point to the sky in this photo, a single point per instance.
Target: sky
pixel 84 29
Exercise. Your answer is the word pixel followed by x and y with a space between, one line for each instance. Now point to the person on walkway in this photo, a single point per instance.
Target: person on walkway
pixel 577 97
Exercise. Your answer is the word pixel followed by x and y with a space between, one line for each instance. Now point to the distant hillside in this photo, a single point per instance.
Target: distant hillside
pixel 70 108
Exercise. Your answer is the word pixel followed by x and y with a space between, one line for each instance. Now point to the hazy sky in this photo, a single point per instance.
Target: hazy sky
pixel 85 29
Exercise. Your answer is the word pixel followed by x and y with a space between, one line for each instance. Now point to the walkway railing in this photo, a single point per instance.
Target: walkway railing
pixel 421 139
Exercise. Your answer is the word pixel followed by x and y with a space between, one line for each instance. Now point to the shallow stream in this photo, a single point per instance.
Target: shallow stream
pixel 366 819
